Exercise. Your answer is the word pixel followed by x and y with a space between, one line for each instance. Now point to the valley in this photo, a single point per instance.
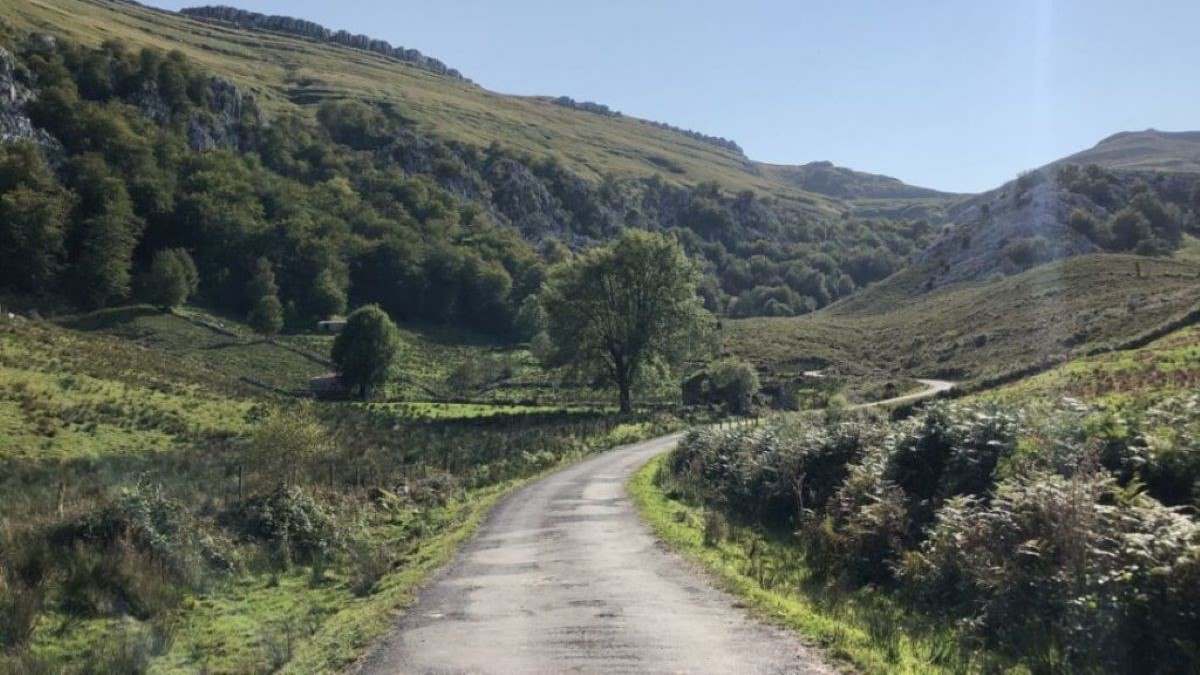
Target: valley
pixel 318 357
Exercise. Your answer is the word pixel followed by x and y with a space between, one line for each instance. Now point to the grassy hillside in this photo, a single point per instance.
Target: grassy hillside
pixel 836 181
pixel 463 374
pixel 1127 381
pixel 143 526
pixel 1149 150
pixel 287 72
pixel 975 330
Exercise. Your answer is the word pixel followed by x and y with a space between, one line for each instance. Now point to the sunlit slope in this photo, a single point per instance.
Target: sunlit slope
pixel 285 71
pixel 977 330
pixel 1149 150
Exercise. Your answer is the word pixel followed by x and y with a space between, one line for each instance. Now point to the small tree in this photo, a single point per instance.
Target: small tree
pixel 625 310
pixel 531 318
pixel 366 349
pixel 266 312
pixel 736 382
pixel 287 441
pixel 172 278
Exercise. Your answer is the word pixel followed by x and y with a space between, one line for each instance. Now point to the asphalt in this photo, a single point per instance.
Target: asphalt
pixel 563 577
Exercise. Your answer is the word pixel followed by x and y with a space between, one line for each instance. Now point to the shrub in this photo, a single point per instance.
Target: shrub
pixel 368 564
pixel 951 450
pixel 1050 567
pixel 862 532
pixel 1027 252
pixel 288 519
pixel 172 278
pixel 144 520
pixel 20 607
pixel 736 383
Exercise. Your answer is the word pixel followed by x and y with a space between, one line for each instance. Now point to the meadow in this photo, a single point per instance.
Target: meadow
pixel 163 515
pixel 976 332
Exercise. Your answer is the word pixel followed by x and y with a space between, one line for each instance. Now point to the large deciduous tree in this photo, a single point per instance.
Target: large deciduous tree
pixel 625 310
pixel 172 278
pixel 365 351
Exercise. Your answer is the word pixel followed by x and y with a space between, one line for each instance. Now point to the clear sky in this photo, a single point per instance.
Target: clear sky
pixel 956 95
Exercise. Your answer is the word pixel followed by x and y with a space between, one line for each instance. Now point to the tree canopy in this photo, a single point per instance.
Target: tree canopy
pixel 624 311
pixel 172 278
pixel 366 349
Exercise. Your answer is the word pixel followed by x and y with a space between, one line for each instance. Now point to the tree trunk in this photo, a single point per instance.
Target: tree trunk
pixel 626 401
pixel 623 377
pixel 627 404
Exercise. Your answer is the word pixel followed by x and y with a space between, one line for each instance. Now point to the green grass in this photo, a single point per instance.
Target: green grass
pixel 1125 382
pixel 53 407
pixel 465 411
pixel 236 628
pixel 974 330
pixel 84 414
pixel 226 347
pixel 864 628
pixel 428 354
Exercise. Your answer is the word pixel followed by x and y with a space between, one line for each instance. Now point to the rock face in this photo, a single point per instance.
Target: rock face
pixel 15 125
pixel 231 113
pixel 315 31
pixel 226 124
pixel 987 224
pixel 522 198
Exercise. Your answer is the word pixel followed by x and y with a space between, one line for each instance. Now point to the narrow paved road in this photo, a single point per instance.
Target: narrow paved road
pixel 564 577
pixel 932 388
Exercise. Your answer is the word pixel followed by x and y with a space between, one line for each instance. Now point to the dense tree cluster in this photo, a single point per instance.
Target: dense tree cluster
pixel 294 230
pixel 764 277
pixel 149 153
pixel 1142 216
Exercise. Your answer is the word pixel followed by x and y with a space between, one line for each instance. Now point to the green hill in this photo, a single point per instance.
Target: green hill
pixel 1149 150
pixel 287 72
pixel 975 330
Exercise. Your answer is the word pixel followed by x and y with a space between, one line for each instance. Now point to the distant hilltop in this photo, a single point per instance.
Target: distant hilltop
pixel 309 29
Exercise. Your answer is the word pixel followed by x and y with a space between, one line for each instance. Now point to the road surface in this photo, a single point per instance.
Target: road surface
pixel 564 577
pixel 932 388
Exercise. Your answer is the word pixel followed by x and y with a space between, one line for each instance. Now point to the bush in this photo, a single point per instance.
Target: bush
pixel 20 607
pixel 1048 567
pixel 736 383
pixel 368 564
pixel 172 278
pixel 1015 527
pixel 149 523
pixel 1027 252
pixel 290 520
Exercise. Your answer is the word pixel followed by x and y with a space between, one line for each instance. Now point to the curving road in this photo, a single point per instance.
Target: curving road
pixel 932 388
pixel 564 577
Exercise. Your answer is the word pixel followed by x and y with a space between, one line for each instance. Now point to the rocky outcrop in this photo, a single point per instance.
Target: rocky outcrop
pixel 975 248
pixel 315 31
pixel 230 118
pixel 228 121
pixel 15 125
pixel 521 198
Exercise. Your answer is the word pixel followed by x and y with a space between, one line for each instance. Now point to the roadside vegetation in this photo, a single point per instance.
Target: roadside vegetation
pixel 160 513
pixel 1051 524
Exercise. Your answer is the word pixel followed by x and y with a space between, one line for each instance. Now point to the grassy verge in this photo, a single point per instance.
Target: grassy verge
pixel 861 628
